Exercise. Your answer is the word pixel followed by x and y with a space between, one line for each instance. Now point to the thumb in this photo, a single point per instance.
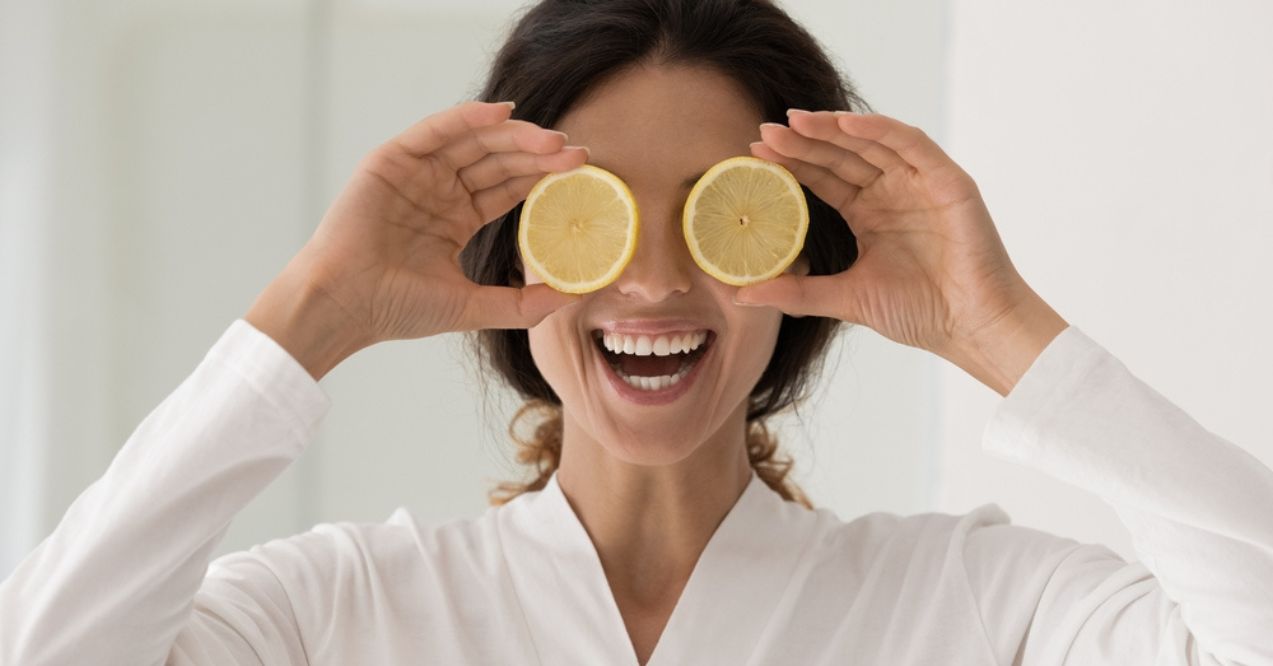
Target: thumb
pixel 819 295
pixel 512 307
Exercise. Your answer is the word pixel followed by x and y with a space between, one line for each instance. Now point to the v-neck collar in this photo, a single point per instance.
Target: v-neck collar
pixel 721 613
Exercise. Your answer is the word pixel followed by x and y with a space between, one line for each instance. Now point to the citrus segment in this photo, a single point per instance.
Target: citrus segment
pixel 578 229
pixel 745 220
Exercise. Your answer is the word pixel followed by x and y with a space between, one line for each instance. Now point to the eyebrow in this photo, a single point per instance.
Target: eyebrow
pixel 687 184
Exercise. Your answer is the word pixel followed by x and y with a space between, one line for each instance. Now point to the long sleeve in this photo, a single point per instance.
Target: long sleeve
pixel 115 582
pixel 1199 510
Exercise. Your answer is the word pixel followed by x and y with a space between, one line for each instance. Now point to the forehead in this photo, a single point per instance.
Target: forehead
pixel 652 121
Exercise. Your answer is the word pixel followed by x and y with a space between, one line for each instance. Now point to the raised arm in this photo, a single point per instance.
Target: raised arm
pixel 1199 510
pixel 116 581
pixel 932 273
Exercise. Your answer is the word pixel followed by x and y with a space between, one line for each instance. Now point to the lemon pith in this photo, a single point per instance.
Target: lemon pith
pixel 578 229
pixel 745 220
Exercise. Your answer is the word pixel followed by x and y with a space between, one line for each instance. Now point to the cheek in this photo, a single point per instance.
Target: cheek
pixel 545 349
pixel 758 332
pixel 555 350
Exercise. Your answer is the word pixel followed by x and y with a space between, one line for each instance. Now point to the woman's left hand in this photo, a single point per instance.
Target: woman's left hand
pixel 931 271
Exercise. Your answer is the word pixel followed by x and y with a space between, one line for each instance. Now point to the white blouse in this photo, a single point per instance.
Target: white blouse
pixel 125 576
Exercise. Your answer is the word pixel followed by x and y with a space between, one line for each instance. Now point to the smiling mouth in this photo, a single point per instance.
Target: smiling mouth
pixel 652 363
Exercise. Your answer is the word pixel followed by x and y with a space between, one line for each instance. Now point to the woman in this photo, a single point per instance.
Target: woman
pixel 660 528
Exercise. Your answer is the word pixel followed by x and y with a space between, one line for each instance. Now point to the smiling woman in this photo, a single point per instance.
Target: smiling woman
pixel 659 528
pixel 660 92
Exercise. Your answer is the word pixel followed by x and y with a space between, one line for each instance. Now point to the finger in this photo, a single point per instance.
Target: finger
pixel 824 126
pixel 509 136
pixel 846 164
pixel 439 129
pixel 818 295
pixel 911 143
pixel 498 199
pixel 827 186
pixel 498 167
pixel 874 153
pixel 511 307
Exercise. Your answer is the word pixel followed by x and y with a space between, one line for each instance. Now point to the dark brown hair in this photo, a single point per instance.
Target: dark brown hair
pixel 560 49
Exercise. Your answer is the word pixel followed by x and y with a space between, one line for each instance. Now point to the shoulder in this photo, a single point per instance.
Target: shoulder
pixel 921 535
pixel 981 546
pixel 361 554
pixel 400 584
pixel 979 552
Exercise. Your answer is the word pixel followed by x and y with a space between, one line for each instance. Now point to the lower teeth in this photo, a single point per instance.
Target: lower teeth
pixel 654 383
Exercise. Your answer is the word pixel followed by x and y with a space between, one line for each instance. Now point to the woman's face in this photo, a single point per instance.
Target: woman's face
pixel 659 129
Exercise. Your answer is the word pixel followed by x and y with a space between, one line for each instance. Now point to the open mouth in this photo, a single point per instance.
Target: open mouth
pixel 653 363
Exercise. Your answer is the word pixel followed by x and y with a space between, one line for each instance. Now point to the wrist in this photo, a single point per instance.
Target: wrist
pixel 1000 353
pixel 305 322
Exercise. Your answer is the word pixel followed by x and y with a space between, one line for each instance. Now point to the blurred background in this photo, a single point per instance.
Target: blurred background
pixel 160 161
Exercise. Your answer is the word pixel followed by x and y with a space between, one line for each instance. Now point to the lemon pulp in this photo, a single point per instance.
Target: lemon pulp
pixel 578 229
pixel 745 221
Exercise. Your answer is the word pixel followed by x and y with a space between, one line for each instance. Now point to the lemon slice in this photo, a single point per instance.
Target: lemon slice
pixel 745 220
pixel 578 229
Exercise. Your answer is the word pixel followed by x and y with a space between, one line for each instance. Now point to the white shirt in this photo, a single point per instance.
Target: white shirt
pixel 125 577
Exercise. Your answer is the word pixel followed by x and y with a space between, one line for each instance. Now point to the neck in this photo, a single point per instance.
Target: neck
pixel 649 522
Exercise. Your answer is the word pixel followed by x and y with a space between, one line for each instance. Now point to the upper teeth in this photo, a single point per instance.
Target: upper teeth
pixel 658 345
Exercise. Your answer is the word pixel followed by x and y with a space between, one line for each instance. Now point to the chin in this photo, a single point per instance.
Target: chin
pixel 651 446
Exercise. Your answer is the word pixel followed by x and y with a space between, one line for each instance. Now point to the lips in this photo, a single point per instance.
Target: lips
pixel 678 372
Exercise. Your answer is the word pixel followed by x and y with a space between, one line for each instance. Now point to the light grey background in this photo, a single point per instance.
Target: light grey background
pixel 161 161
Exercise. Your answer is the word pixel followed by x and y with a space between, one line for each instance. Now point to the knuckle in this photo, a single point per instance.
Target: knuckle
pixel 467 179
pixel 376 158
pixel 385 160
pixel 505 163
pixel 509 190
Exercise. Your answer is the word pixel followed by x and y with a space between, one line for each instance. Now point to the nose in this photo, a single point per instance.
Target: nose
pixel 661 266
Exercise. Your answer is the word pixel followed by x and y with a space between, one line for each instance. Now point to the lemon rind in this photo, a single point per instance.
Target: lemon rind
pixel 629 249
pixel 691 205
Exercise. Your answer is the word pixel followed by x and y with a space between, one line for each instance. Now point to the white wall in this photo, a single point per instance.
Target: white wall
pixel 150 188
pixel 26 72
pixel 1126 153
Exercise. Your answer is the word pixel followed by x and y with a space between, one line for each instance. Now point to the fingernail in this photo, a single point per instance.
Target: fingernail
pixel 510 104
pixel 791 112
pixel 583 148
pixel 773 125
pixel 561 134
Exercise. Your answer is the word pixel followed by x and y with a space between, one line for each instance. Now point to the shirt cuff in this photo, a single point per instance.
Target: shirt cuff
pixel 273 372
pixel 1059 372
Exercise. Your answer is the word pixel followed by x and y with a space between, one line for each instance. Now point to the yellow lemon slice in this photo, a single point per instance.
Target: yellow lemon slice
pixel 578 229
pixel 745 220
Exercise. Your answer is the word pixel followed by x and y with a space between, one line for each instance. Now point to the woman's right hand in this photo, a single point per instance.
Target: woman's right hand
pixel 384 262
